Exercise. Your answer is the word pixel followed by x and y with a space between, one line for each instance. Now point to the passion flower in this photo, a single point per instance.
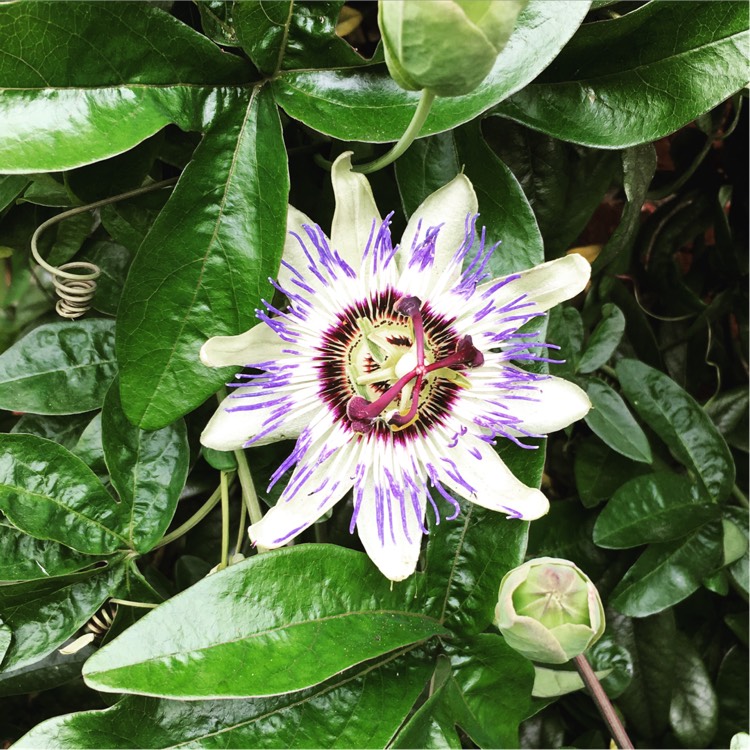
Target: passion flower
pixel 393 368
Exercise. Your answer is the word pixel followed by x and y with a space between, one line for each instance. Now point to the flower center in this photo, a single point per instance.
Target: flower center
pixel 404 370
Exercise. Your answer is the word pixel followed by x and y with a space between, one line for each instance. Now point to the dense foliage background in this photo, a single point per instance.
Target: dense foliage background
pixel 615 128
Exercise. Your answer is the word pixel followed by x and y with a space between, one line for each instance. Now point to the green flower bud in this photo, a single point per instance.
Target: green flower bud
pixel 447 46
pixel 549 611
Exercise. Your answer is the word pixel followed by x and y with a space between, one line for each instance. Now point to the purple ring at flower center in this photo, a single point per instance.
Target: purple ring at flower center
pixel 333 362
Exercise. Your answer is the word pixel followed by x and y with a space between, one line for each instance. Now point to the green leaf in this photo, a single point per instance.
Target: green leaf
pixel 653 508
pixel 11 186
pixel 503 207
pixel 552 683
pixel 665 574
pixel 604 339
pixel 729 412
pixel 59 368
pixel 293 35
pixel 738 519
pixel 67 102
pixel 652 643
pixel 607 655
pixel 565 329
pixel 248 614
pixel 89 449
pixel 44 614
pixel 113 261
pixel 203 267
pixel 148 470
pixel 600 471
pixel 564 183
pixel 639 77
pixel 693 713
pixel 681 423
pixel 362 707
pixel 427 165
pixel 484 673
pixel 65 430
pixel 23 558
pixel 467 558
pixel 49 493
pixel 47 673
pixel 612 421
pixel 5 639
pixel 128 222
pixel 366 104
pixel 732 688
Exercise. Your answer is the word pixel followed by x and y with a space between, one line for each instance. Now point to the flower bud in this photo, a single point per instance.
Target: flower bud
pixel 549 611
pixel 447 46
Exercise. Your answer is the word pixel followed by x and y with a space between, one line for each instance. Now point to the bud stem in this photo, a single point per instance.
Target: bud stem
pixel 409 136
pixel 606 709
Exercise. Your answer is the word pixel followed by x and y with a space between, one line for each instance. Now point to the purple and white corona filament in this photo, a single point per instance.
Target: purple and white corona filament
pixel 393 369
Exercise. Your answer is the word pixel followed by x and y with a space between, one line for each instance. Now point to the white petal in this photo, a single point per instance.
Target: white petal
pixel 307 496
pixel 397 552
pixel 259 344
pixel 293 255
pixel 355 211
pixel 487 481
pixel 449 206
pixel 557 404
pixel 230 430
pixel 547 285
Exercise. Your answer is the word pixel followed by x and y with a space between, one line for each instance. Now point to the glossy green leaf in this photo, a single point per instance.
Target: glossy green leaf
pixel 467 557
pixel 667 573
pixel 739 569
pixel 563 182
pixel 49 493
pixel 503 207
pixel 47 673
pixel 681 423
pixel 732 689
pixel 128 222
pixel 59 368
pixel 90 450
pixel 23 558
pixel 148 470
pixel 604 339
pixel 653 645
pixel 653 508
pixel 600 471
pixel 204 265
pixel 565 330
pixel 65 430
pixel 729 412
pixel 44 614
pixel 639 77
pixel 484 673
pixel 367 105
pixel 607 655
pixel 11 186
pixel 113 261
pixel 5 638
pixel 693 713
pixel 292 35
pixel 612 421
pixel 67 103
pixel 362 707
pixel 191 645
pixel 427 165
